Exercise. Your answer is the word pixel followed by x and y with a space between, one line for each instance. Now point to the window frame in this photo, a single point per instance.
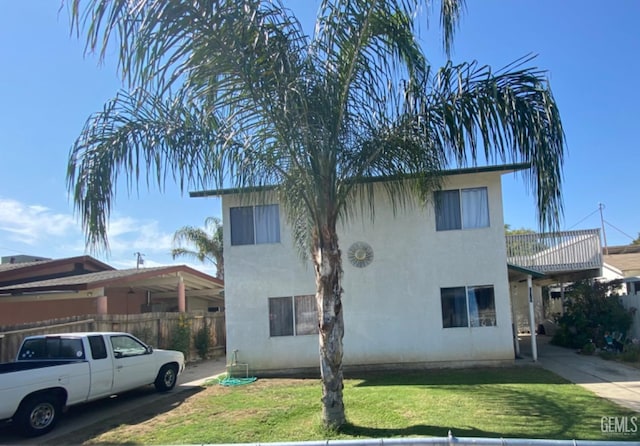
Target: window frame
pixel 54 348
pixel 122 352
pixel 473 317
pixel 460 213
pixel 257 212
pixel 476 319
pixel 98 347
pixel 296 328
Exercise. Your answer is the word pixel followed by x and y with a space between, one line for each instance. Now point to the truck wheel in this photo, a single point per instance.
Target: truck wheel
pixel 38 415
pixel 167 377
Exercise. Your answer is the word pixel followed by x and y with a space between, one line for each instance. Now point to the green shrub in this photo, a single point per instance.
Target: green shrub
pixel 181 336
pixel 631 353
pixel 202 340
pixel 588 349
pixel 591 310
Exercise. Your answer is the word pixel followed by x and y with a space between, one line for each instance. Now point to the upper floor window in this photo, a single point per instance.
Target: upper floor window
pixel 462 209
pixel 255 224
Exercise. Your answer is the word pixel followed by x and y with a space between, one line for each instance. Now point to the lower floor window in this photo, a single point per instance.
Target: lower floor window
pixel 472 306
pixel 293 316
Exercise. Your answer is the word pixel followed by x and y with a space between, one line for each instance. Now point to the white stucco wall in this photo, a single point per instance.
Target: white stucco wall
pixel 610 272
pixel 392 308
pixel 520 302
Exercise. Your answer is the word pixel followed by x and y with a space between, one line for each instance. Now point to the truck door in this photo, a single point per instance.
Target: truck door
pixel 133 364
pixel 101 368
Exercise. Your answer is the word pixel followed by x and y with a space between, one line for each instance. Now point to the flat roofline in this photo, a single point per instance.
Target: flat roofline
pixel 503 168
pixel 535 274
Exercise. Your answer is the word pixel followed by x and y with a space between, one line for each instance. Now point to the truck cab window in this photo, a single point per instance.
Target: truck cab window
pixel 98 347
pixel 124 346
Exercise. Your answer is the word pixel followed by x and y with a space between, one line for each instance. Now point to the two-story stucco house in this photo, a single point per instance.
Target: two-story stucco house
pixel 426 285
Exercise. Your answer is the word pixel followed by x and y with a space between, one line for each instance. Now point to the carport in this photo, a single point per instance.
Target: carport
pixel 131 291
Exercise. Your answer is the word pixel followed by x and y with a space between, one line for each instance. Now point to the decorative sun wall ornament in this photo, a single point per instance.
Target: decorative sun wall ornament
pixel 360 254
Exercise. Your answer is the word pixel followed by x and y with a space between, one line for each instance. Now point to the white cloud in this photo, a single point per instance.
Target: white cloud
pixel 33 224
pixel 39 230
pixel 129 234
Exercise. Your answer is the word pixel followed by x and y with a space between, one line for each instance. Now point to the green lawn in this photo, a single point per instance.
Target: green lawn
pixel 526 402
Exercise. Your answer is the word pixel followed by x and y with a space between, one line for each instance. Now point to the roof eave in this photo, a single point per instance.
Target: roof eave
pixel 503 168
pixel 535 274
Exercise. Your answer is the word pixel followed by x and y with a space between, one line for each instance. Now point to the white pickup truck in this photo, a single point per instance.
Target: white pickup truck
pixel 55 371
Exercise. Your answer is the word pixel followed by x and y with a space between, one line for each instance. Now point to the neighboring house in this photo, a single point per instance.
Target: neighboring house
pixel 623 262
pixel 424 285
pixel 50 289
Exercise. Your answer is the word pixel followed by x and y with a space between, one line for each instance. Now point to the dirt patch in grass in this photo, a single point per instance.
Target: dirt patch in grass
pixel 137 420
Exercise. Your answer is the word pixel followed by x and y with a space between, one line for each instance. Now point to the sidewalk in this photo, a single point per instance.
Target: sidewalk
pixel 612 380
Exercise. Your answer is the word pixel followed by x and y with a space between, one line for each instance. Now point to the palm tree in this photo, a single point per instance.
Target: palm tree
pixel 201 244
pixel 234 93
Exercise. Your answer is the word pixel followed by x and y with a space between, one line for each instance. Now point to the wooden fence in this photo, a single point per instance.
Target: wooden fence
pixel 160 330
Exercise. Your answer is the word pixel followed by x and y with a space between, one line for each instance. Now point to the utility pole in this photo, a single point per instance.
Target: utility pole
pixel 604 234
pixel 139 259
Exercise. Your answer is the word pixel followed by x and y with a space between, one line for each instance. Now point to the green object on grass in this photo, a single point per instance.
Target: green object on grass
pixel 231 382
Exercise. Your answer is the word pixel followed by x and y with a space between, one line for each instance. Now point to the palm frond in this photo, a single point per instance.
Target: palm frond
pixel 470 113
pixel 204 245
pixel 138 136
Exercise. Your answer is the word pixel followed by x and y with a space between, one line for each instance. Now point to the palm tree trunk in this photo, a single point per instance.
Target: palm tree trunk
pixel 328 270
pixel 219 266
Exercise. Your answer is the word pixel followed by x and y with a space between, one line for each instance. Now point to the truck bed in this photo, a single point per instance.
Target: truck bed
pixel 9 367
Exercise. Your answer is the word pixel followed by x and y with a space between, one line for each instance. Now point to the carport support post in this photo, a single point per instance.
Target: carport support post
pixel 532 320
pixel 102 305
pixel 182 301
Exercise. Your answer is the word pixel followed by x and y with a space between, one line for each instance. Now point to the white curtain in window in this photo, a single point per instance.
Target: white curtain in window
pixel 267 223
pixel 306 315
pixel 482 307
pixel 474 318
pixel 475 208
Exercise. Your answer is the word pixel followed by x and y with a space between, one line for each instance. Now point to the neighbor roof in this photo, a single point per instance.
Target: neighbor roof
pixel 43 264
pixel 114 278
pixel 627 263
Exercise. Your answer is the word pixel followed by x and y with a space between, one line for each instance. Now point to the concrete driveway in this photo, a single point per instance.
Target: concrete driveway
pixel 85 415
pixel 612 380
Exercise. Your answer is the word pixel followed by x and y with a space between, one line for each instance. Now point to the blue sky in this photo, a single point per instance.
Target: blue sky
pixel 48 88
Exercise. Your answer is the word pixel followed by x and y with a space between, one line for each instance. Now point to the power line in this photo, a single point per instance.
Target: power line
pixel 601 206
pixel 597 210
pixel 619 230
pixel 12 250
